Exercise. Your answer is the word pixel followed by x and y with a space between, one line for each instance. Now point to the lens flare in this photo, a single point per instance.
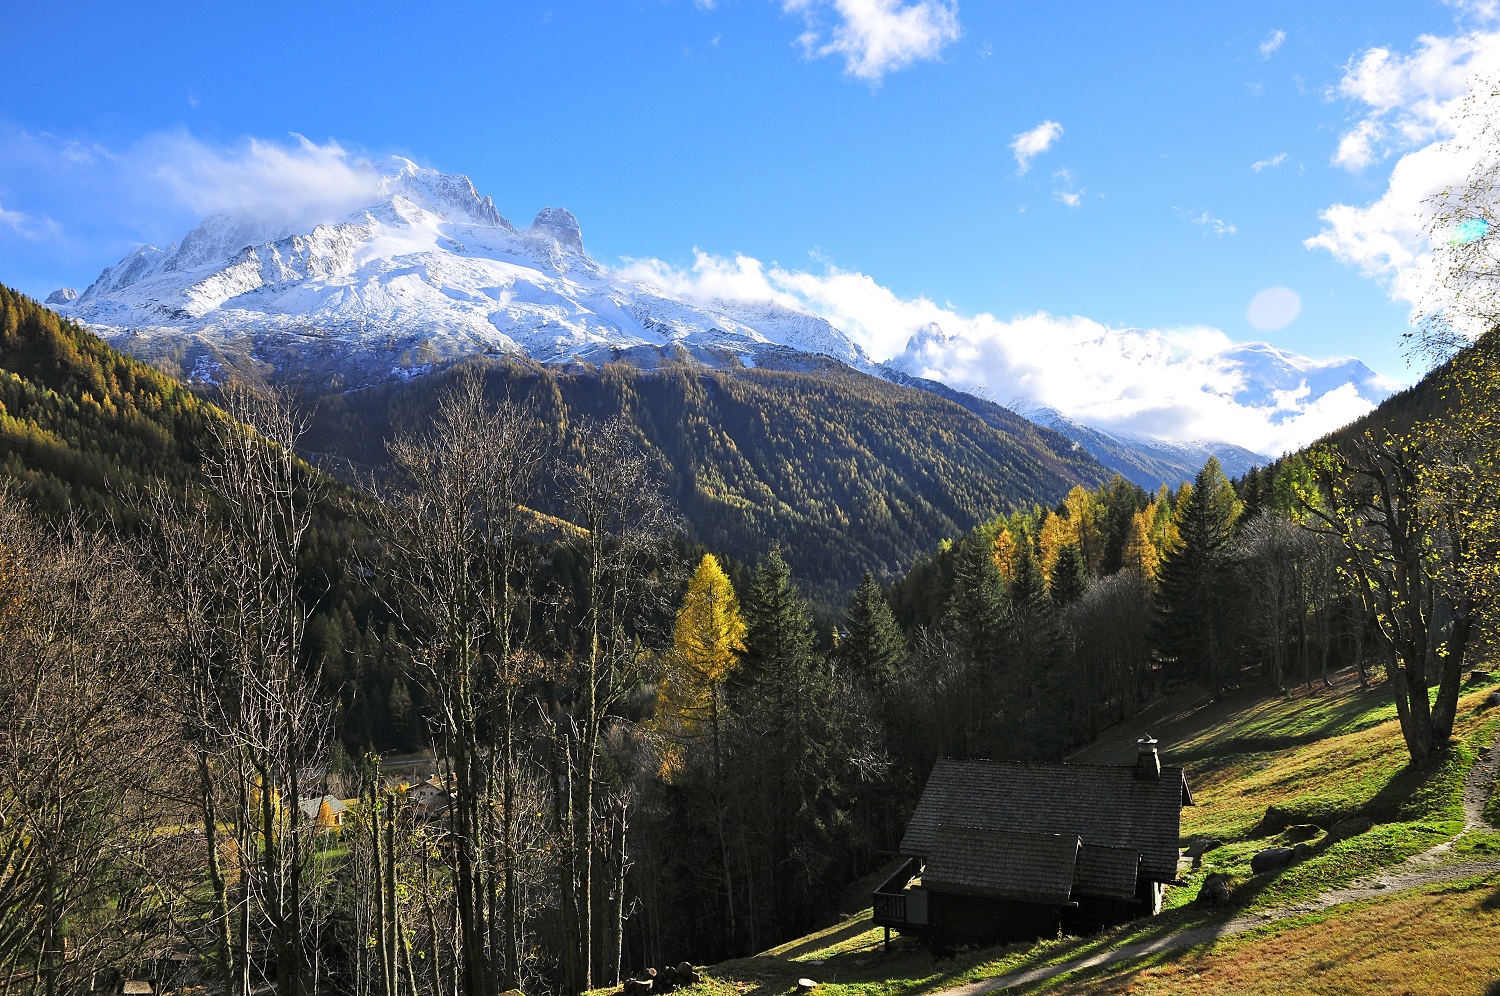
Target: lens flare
pixel 1469 231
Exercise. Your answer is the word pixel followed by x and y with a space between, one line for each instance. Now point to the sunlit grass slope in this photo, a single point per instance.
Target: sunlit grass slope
pixel 1319 758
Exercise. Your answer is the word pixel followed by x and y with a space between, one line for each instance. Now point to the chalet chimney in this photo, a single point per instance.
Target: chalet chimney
pixel 1147 761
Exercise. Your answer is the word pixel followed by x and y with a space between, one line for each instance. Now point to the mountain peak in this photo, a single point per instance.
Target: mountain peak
pixel 559 224
pixel 450 195
pixel 61 296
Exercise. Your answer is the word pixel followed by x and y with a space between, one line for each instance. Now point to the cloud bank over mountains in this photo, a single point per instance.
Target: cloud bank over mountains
pixel 1183 384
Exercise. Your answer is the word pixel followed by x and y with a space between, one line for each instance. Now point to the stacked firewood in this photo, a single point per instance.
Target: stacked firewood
pixel 660 980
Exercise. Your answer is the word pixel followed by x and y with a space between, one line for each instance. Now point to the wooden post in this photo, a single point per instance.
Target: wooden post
pixel 887 940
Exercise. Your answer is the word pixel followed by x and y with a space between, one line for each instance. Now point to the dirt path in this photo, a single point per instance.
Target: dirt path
pixel 1422 869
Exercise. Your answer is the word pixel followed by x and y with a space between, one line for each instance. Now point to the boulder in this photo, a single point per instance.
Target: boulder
pixel 1200 847
pixel 1272 858
pixel 1301 852
pixel 1493 699
pixel 686 972
pixel 1214 891
pixel 1346 828
pixel 1274 821
pixel 1302 831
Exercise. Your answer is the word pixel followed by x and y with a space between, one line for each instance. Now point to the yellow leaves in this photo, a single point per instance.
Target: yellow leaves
pixel 1055 534
pixel 706 646
pixel 1005 554
pixel 1140 553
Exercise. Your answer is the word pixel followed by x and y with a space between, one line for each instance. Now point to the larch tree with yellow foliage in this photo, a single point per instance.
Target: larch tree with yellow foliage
pixel 1140 552
pixel 706 645
pixel 707 642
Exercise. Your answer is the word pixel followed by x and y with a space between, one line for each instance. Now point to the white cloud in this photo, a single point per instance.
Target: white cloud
pixel 296 180
pixel 1030 144
pixel 1065 188
pixel 1270 162
pixel 14 220
pixel 705 4
pixel 1185 384
pixel 25 225
pixel 1211 225
pixel 1411 100
pixel 1437 107
pixel 1273 41
pixel 876 37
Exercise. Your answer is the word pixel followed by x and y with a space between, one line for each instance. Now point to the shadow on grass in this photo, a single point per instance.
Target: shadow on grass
pixel 817 942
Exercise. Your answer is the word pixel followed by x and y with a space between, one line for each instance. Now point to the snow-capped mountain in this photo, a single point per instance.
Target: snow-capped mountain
pixel 1145 460
pixel 428 273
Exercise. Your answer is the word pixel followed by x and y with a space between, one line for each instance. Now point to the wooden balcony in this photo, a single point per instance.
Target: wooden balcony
pixel 898 902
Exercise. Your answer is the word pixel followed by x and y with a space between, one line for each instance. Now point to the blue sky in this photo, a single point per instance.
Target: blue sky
pixel 825 136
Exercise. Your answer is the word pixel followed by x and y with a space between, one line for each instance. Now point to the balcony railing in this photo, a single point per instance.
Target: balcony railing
pixel 896 905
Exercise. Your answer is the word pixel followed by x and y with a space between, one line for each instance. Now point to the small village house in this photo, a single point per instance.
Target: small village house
pixel 1002 850
pixel 326 813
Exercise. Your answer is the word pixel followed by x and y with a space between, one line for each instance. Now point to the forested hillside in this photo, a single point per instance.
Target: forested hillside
pixel 83 427
pixel 848 473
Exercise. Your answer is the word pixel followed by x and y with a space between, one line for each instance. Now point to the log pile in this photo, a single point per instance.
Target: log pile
pixel 660 980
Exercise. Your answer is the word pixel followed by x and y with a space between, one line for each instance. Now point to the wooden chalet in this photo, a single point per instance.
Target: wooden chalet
pixel 1001 850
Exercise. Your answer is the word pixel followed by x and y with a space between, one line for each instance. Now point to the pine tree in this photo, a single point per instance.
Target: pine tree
pixel 1069 578
pixel 1192 587
pixel 975 613
pixel 786 751
pixel 1029 590
pixel 873 645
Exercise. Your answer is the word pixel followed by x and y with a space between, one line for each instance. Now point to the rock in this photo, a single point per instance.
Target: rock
pixel 1214 891
pixel 686 972
pixel 636 987
pixel 1274 821
pixel 1200 847
pixel 1346 828
pixel 1301 852
pixel 1302 831
pixel 63 295
pixel 1272 858
pixel 1493 699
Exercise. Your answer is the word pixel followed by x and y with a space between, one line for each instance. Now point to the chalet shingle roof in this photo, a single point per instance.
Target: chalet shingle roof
pixel 1106 871
pixel 1029 867
pixel 1103 804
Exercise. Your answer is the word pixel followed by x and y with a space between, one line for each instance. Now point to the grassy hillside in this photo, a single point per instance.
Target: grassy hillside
pixel 846 471
pixel 1321 758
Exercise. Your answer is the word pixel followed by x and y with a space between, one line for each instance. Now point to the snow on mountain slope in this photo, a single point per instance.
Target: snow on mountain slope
pixel 1147 461
pixel 429 273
